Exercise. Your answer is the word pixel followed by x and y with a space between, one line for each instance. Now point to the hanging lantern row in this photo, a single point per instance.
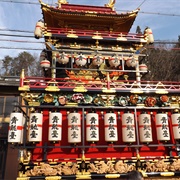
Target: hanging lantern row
pixel 16 125
pixel 81 60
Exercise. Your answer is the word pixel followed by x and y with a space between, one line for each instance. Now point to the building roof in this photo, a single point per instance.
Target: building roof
pixel 87 17
pixel 9 85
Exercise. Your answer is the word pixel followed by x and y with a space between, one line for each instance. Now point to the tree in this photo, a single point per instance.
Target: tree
pixel 163 64
pixel 138 30
pixel 6 63
pixel 13 66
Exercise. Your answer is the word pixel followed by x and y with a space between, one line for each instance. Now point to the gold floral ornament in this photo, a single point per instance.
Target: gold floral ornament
pixel 48 98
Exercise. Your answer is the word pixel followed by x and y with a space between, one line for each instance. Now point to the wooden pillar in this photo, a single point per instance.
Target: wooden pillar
pixel 11 168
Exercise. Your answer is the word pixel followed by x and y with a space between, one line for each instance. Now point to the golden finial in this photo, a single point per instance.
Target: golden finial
pixel 111 4
pixel 61 2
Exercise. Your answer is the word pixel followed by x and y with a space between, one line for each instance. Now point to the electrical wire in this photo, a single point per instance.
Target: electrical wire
pixel 21 41
pixel 15 30
pixel 40 42
pixel 152 13
pixel 31 35
pixel 147 47
pixel 141 3
pixel 21 2
pixel 14 35
pixel 28 48
pixel 162 14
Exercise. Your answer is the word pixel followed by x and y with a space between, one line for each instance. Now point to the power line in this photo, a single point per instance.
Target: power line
pixel 21 41
pixel 15 30
pixel 42 42
pixel 14 35
pixel 29 49
pixel 141 3
pixel 31 35
pixel 21 2
pixel 162 14
pixel 154 13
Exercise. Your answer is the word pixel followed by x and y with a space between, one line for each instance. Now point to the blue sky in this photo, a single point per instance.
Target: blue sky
pixel 162 16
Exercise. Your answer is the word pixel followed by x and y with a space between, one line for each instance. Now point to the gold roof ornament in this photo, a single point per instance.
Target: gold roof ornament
pixel 111 4
pixel 61 2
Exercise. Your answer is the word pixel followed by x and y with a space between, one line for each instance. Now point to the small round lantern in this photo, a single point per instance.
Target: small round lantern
pixel 114 61
pixel 130 62
pixel 45 64
pixel 42 55
pixel 81 60
pixel 149 35
pixel 97 60
pixel 63 58
pixel 143 68
pixel 38 32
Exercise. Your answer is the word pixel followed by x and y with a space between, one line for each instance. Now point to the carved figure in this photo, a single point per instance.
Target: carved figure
pixel 175 166
pixel 68 170
pixel 59 169
pixel 121 167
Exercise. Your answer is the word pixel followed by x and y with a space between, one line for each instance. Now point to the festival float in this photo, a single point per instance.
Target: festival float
pixel 91 116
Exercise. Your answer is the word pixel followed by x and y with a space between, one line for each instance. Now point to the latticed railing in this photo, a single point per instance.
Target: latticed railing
pixel 163 87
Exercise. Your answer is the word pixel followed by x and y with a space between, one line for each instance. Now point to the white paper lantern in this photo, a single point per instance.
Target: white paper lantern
pixel 15 127
pixel 45 63
pixel 132 61
pixel 92 127
pixel 55 126
pixel 162 127
pixel 176 125
pixel 42 55
pixel 74 128
pixel 128 128
pixel 35 127
pixel 63 58
pixel 149 35
pixel 145 129
pixel 114 61
pixel 38 32
pixel 97 60
pixel 143 67
pixel 110 123
pixel 81 60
